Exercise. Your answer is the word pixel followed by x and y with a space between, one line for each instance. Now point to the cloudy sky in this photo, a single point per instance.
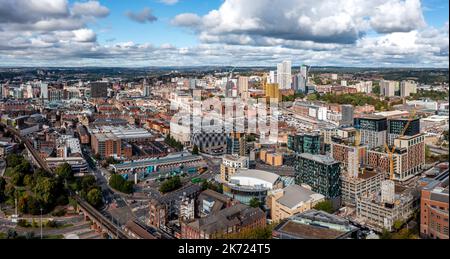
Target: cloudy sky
pixel 386 33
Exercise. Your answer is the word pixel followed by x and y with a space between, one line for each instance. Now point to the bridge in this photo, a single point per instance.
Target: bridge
pixel 100 222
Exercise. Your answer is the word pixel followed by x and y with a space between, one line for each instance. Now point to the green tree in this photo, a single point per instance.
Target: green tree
pixel 88 182
pixel 94 197
pixel 64 172
pixel 255 203
pixel 28 180
pixel 45 189
pixel 16 178
pixel 119 183
pixel 33 205
pixel 170 185
pixel 13 160
pixel 325 206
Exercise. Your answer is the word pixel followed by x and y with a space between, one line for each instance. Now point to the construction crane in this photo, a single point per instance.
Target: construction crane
pixel 391 152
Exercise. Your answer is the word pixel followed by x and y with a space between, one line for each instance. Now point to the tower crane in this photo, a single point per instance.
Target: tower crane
pixel 391 152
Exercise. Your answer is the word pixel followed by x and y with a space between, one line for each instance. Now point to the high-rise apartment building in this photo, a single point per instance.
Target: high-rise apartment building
pixel 373 130
pixel 321 173
pixel 408 157
pixel 284 75
pixel 407 88
pixel 273 91
pixel 305 143
pixel 243 84
pixel 347 115
pixel 236 144
pixel 388 88
pixel 396 126
pixel 273 79
pixel 44 91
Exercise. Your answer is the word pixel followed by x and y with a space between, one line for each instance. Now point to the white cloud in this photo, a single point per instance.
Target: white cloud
pixel 187 20
pixel 143 16
pixel 262 33
pixel 85 35
pixel 90 8
pixel 332 21
pixel 398 16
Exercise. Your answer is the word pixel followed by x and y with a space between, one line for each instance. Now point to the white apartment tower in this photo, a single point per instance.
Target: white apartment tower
pixel 44 90
pixel 407 88
pixel 284 75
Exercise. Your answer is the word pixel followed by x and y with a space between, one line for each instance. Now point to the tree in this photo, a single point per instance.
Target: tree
pixel 2 189
pixel 170 185
pixel 16 178
pixel 398 224
pixel 28 180
pixel 88 182
pixel 13 160
pixel 255 203
pixel 195 150
pixel 94 197
pixel 325 206
pixel 45 189
pixel 64 171
pixel 119 183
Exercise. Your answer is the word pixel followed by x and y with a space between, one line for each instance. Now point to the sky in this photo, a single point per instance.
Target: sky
pixel 136 33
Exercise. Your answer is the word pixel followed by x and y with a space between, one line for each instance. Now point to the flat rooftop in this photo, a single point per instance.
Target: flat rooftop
pixel 319 158
pixel 304 231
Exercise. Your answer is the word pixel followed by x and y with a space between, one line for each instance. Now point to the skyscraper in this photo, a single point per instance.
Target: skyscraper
pixel 347 115
pixel 146 88
pixel 407 88
pixel 388 88
pixel 284 75
pixel 396 127
pixel 243 86
pixel 44 91
pixel 373 130
pixel 321 173
pixel 303 80
pixel 273 79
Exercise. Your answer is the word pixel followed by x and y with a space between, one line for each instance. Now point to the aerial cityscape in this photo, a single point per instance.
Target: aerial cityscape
pixel 224 119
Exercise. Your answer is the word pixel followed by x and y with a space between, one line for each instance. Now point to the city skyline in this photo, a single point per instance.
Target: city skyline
pixel 382 33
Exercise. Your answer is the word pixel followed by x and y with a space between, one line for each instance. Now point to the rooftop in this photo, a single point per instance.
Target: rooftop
pixel 319 158
pixel 257 174
pixel 296 194
pixel 315 224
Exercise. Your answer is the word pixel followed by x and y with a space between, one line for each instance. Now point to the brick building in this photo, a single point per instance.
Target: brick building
pixel 230 220
pixel 434 208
